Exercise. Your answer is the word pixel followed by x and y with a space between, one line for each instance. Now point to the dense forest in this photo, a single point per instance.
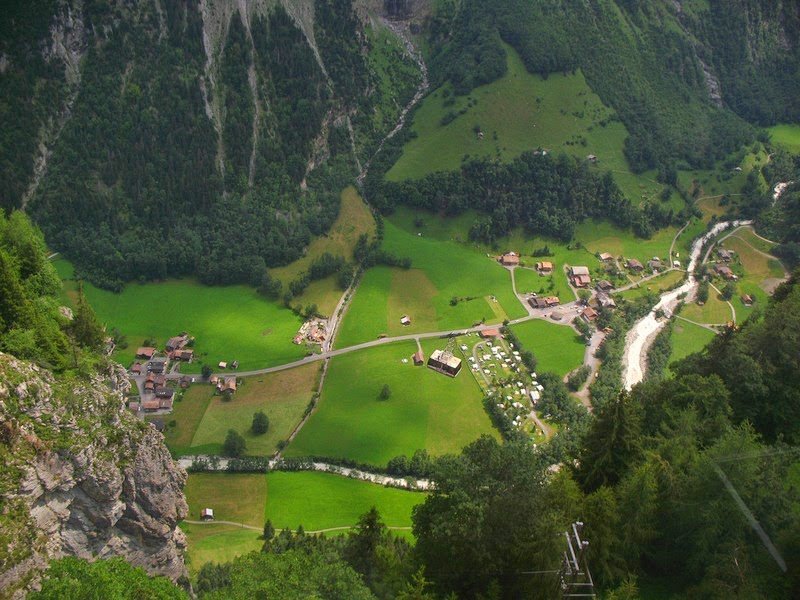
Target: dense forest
pixel 682 78
pixel 544 194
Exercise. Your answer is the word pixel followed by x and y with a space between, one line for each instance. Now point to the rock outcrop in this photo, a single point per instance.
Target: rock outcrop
pixel 80 476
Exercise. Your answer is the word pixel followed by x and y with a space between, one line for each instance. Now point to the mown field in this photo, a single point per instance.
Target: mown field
pixel 557 348
pixel 317 501
pixel 202 419
pixel 656 285
pixel 426 409
pixel 355 218
pixel 441 270
pixel 520 112
pixel 228 323
pixel 688 338
pixel 714 312
pixel 786 135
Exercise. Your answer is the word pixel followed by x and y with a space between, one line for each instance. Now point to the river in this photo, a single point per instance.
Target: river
pixel 641 336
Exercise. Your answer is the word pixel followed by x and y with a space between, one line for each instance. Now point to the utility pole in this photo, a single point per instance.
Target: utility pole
pixel 574 578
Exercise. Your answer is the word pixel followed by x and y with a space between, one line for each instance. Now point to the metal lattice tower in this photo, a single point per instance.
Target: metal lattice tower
pixel 574 579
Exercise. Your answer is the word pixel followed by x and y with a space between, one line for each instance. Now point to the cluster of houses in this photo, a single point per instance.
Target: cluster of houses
pixel 543 301
pixel 721 268
pixel 512 259
pixel 156 362
pixel 313 330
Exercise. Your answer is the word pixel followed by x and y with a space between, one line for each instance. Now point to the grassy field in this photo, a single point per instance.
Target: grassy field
pixel 228 323
pixel 714 312
pixel 656 285
pixel 354 219
pixel 786 135
pixel 440 271
pixel 426 409
pixel 759 274
pixel 283 397
pixel 688 338
pixel 218 543
pixel 324 501
pixel 187 413
pixel 557 348
pixel 236 497
pixel 516 113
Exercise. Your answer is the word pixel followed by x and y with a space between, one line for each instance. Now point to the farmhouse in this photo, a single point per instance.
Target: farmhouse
pixel 418 357
pixel 605 256
pixel 604 286
pixel 444 362
pixel 544 301
pixel 589 314
pixel 227 385
pixel 606 301
pixel 654 264
pixel 158 365
pixel 184 355
pixel 724 255
pixel 145 352
pixel 544 267
pixel 748 300
pixel 510 259
pixel 580 276
pixel 490 333
pixel 725 272
pixel 136 369
pixel 151 404
pixel 177 342
pixel 164 392
pixel 634 265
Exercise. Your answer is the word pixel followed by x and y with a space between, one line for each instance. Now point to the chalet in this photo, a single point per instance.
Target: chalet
pixel 537 302
pixel 158 365
pixel 552 301
pixel 605 256
pixel 544 267
pixel 725 272
pixel 183 355
pixel 580 276
pixel 145 352
pixel 724 255
pixel 150 383
pixel 589 314
pixel 227 385
pixel 509 259
pixel 136 369
pixel 634 265
pixel 213 380
pixel 444 362
pixel 151 404
pixel 165 403
pixel 604 286
pixel 748 300
pixel 606 301
pixel 418 357
pixel 654 264
pixel 207 514
pixel 177 342
pixel 490 333
pixel 164 392
pixel 405 320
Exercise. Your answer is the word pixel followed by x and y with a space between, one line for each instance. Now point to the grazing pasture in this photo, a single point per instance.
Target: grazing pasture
pixel 218 543
pixel 786 135
pixel 688 338
pixel 557 348
pixel 425 409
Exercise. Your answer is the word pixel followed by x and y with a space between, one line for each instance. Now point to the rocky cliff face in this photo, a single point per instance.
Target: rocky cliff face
pixel 79 476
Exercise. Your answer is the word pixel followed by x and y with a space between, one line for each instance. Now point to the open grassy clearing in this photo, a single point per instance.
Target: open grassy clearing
pixel 656 285
pixel 786 135
pixel 557 348
pixel 723 180
pixel 187 413
pixel 228 323
pixel 236 497
pixel 516 113
pixel 426 409
pixel 218 543
pixel 323 501
pixel 354 219
pixel 714 312
pixel 283 397
pixel 440 271
pixel 688 338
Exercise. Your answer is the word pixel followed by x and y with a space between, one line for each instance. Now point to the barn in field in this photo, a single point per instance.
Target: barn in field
pixel 444 362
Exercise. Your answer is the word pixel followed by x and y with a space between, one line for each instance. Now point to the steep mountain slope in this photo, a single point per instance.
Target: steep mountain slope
pixel 166 133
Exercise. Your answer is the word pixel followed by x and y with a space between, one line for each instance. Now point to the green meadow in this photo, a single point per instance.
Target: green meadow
pixel 714 312
pixel 520 112
pixel 425 410
pixel 557 348
pixel 228 323
pixel 656 285
pixel 441 270
pixel 317 501
pixel 688 338
pixel 786 135
pixel 203 418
